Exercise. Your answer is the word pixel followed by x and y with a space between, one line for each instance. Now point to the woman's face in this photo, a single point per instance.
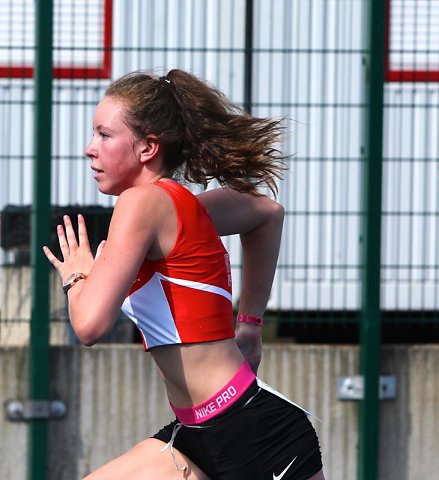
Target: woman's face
pixel 112 149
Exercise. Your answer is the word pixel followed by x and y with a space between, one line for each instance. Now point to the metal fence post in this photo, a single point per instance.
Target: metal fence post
pixel 40 234
pixel 248 59
pixel 370 328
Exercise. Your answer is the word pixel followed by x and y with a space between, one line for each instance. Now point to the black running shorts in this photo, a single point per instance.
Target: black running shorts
pixel 260 437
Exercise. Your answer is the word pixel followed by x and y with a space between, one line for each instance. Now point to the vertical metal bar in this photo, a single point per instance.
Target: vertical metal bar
pixel 248 61
pixel 40 231
pixel 370 329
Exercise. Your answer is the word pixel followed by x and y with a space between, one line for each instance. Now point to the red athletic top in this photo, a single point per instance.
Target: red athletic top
pixel 187 296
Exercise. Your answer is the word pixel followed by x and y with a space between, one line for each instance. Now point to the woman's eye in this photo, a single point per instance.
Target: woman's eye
pixel 104 135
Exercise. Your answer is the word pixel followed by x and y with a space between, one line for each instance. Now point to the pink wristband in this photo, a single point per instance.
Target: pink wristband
pixel 249 319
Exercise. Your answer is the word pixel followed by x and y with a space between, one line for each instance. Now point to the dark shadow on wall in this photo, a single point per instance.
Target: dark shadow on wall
pixel 15 228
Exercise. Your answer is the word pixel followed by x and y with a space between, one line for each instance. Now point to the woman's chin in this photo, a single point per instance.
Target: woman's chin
pixel 105 190
pixel 109 191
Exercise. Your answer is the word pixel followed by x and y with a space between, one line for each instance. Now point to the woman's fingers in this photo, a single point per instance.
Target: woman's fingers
pixel 68 241
pixel 100 249
pixel 62 240
pixel 51 257
pixel 75 250
pixel 82 233
pixel 70 233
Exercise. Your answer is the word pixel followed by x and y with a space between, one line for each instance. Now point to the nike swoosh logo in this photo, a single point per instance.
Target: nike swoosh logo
pixel 278 477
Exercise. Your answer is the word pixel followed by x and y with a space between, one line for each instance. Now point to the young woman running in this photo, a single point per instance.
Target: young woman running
pixel 164 265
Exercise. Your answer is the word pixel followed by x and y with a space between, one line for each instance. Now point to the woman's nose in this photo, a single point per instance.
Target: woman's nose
pixel 90 151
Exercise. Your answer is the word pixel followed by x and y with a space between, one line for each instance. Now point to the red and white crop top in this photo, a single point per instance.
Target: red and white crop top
pixel 187 296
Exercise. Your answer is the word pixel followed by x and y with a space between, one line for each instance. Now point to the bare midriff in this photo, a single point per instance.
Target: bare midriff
pixel 194 372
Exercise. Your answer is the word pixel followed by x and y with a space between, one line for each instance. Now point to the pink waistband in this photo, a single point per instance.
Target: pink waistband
pixel 222 400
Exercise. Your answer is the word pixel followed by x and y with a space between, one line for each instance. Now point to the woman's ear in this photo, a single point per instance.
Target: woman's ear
pixel 148 148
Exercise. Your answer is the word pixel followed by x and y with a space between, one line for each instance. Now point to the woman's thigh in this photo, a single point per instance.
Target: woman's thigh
pixel 145 461
pixel 318 476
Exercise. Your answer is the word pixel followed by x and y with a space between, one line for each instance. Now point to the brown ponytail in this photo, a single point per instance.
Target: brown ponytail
pixel 203 134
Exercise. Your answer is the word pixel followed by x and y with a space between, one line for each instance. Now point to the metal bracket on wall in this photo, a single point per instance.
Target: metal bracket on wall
pixel 352 388
pixel 17 411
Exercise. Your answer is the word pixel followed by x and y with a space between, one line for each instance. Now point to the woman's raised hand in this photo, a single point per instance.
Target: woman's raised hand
pixel 76 252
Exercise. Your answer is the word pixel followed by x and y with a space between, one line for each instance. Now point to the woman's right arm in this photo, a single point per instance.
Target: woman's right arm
pixel 94 303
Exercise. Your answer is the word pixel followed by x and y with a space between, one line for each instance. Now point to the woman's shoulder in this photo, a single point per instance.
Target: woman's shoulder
pixel 139 194
pixel 141 214
pixel 146 201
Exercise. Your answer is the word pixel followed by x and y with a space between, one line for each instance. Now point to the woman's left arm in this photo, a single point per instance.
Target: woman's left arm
pixel 259 221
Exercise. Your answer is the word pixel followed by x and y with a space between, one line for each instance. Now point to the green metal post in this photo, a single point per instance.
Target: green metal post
pixel 248 58
pixel 40 231
pixel 370 329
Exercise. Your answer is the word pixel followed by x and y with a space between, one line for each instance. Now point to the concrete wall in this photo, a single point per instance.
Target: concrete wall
pixel 15 307
pixel 115 398
pixel 15 311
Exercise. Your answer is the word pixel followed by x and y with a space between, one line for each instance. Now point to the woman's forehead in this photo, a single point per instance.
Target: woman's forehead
pixel 109 110
pixel 110 103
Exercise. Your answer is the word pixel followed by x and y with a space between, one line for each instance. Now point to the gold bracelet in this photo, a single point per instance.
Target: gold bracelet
pixel 74 277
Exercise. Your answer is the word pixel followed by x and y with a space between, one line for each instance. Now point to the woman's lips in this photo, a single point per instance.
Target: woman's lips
pixel 97 172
